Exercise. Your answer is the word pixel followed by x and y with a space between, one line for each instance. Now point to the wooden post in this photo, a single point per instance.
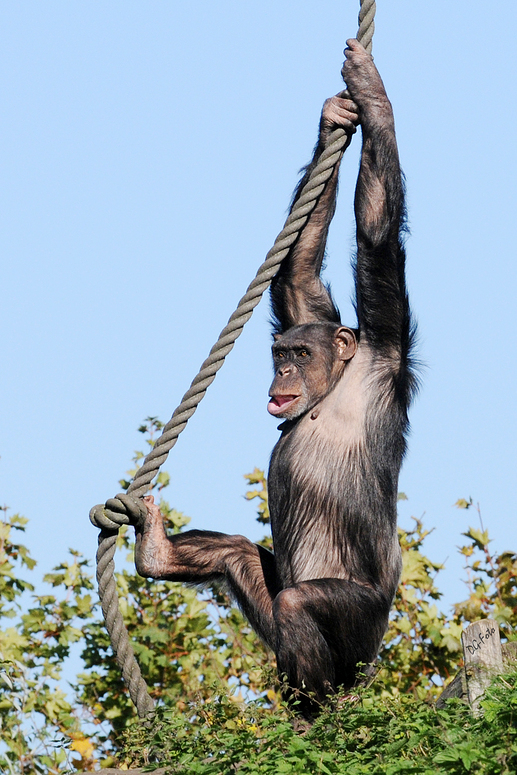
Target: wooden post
pixel 483 658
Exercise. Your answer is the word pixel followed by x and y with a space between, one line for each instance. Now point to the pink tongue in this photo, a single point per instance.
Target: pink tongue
pixel 281 400
pixel 275 404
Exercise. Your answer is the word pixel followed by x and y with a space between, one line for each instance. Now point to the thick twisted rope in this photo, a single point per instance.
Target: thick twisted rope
pixel 128 508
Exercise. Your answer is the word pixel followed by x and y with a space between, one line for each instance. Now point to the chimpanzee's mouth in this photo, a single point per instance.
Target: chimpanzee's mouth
pixel 278 404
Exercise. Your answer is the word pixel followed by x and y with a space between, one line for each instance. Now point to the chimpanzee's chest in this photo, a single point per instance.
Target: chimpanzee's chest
pixel 313 497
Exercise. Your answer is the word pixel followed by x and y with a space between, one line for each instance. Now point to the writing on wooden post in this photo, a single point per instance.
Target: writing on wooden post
pixel 483 658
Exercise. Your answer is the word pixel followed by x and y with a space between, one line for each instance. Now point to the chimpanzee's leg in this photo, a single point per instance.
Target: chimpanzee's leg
pixel 325 628
pixel 199 556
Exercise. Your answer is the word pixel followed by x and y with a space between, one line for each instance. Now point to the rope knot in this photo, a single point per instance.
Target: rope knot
pixel 124 509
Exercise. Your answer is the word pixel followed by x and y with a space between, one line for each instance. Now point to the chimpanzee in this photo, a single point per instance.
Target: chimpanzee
pixel 322 600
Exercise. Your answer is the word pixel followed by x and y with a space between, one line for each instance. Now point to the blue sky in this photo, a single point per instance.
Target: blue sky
pixel 149 151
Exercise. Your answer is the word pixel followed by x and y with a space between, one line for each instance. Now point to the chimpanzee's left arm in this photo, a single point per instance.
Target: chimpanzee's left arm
pixel 381 296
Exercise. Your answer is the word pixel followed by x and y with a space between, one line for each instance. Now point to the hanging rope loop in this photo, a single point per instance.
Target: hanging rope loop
pixel 124 509
pixel 128 508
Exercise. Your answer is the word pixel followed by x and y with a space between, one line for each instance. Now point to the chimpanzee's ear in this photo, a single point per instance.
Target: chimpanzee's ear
pixel 345 342
pixel 276 337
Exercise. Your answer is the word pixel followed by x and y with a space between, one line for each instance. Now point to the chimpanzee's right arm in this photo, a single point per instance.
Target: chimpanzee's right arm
pixel 297 293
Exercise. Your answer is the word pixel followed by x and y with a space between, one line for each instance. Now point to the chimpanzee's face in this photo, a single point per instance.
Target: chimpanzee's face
pixel 308 360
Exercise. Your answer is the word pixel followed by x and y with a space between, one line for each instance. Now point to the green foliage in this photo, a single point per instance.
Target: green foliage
pixel 39 726
pixel 258 477
pixel 374 736
pixel 491 581
pixel 218 704
pixel 422 646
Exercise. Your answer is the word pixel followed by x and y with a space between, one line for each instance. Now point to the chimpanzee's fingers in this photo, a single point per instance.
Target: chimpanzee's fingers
pixel 341 112
pixel 152 507
pixel 343 98
pixel 353 45
pixel 345 104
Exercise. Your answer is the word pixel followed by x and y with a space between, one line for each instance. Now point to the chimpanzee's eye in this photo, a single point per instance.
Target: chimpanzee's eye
pixel 280 354
pixel 304 354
